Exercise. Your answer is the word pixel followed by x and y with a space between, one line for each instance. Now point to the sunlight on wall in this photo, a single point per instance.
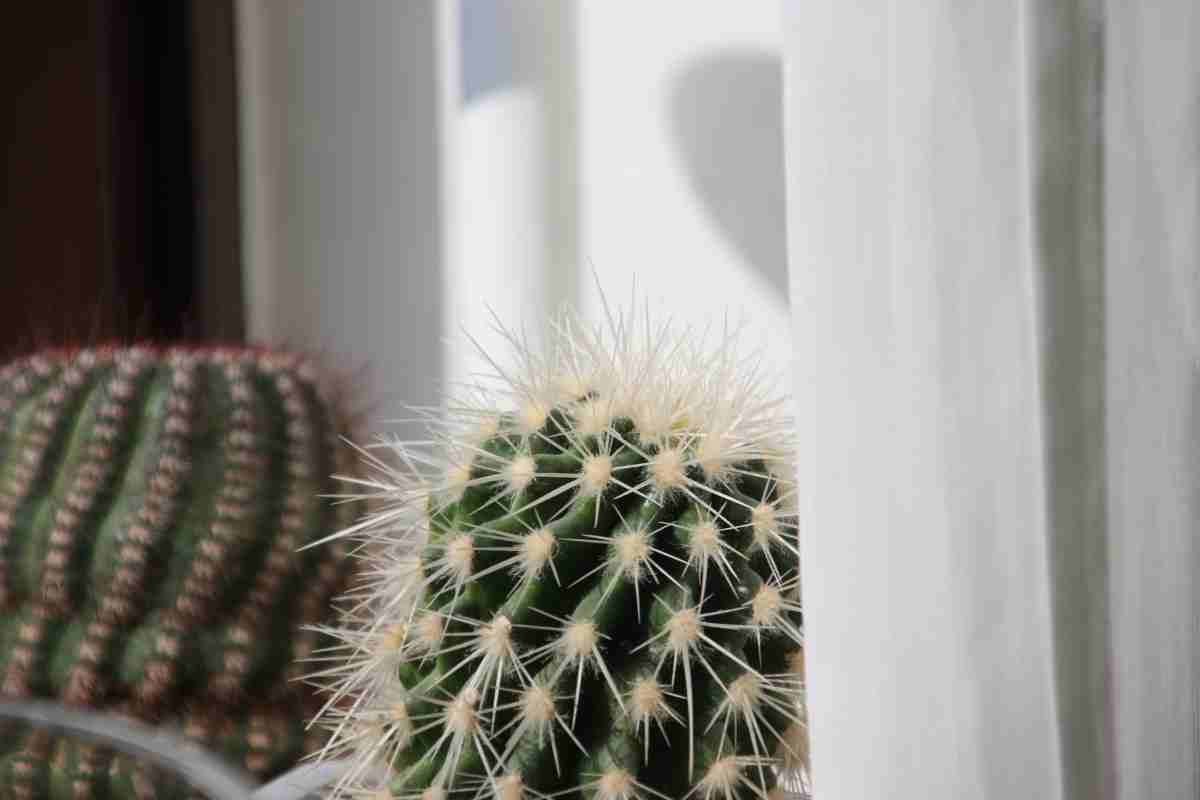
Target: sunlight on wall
pixel 681 162
pixel 409 166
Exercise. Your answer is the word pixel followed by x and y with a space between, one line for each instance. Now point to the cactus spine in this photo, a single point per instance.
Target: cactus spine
pixel 584 583
pixel 151 506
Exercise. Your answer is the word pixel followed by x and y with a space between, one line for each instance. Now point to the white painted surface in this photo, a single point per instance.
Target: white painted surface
pixel 502 255
pixel 680 162
pixel 508 154
pixel 343 118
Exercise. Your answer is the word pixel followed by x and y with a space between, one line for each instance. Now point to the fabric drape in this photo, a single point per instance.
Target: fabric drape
pixel 993 239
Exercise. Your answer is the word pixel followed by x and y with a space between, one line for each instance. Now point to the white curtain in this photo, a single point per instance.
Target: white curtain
pixel 993 252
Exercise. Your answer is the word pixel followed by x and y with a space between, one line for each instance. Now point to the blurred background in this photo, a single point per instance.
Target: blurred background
pixel 369 179
pixel 997 323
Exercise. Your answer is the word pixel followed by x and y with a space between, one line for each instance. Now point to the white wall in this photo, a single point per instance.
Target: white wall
pixel 681 160
pixel 409 164
pixel 614 140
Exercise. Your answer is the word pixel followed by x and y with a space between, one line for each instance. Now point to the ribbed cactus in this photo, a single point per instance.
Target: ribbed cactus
pixel 584 583
pixel 152 503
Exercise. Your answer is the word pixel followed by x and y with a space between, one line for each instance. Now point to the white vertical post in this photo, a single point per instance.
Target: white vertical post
pixel 510 214
pixel 343 113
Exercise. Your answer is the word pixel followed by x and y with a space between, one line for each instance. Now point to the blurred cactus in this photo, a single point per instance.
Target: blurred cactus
pixel 153 504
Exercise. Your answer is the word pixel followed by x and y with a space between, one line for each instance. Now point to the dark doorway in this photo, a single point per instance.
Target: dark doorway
pixel 119 213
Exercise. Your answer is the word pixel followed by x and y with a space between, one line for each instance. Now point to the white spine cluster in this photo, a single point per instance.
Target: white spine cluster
pixel 650 413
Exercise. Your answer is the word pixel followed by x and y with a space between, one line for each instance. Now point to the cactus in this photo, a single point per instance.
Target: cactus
pixel 584 582
pixel 152 503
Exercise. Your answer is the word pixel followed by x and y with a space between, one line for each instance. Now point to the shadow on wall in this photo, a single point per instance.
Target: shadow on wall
pixel 727 120
pixel 488 50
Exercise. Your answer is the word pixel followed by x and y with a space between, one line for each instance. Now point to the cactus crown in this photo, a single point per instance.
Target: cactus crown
pixel 584 582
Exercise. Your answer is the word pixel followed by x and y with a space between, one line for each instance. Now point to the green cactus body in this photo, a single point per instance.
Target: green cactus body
pixel 592 593
pixel 152 503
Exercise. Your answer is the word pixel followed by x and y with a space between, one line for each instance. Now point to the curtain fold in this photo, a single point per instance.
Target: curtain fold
pixel 992 213
pixel 1064 57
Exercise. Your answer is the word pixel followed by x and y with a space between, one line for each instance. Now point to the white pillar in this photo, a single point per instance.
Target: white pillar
pixel 343 109
pixel 512 176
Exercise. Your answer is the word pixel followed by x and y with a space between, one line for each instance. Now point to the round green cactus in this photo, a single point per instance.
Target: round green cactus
pixel 152 503
pixel 584 582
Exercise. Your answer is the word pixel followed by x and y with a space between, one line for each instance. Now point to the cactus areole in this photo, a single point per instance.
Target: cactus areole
pixel 583 583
